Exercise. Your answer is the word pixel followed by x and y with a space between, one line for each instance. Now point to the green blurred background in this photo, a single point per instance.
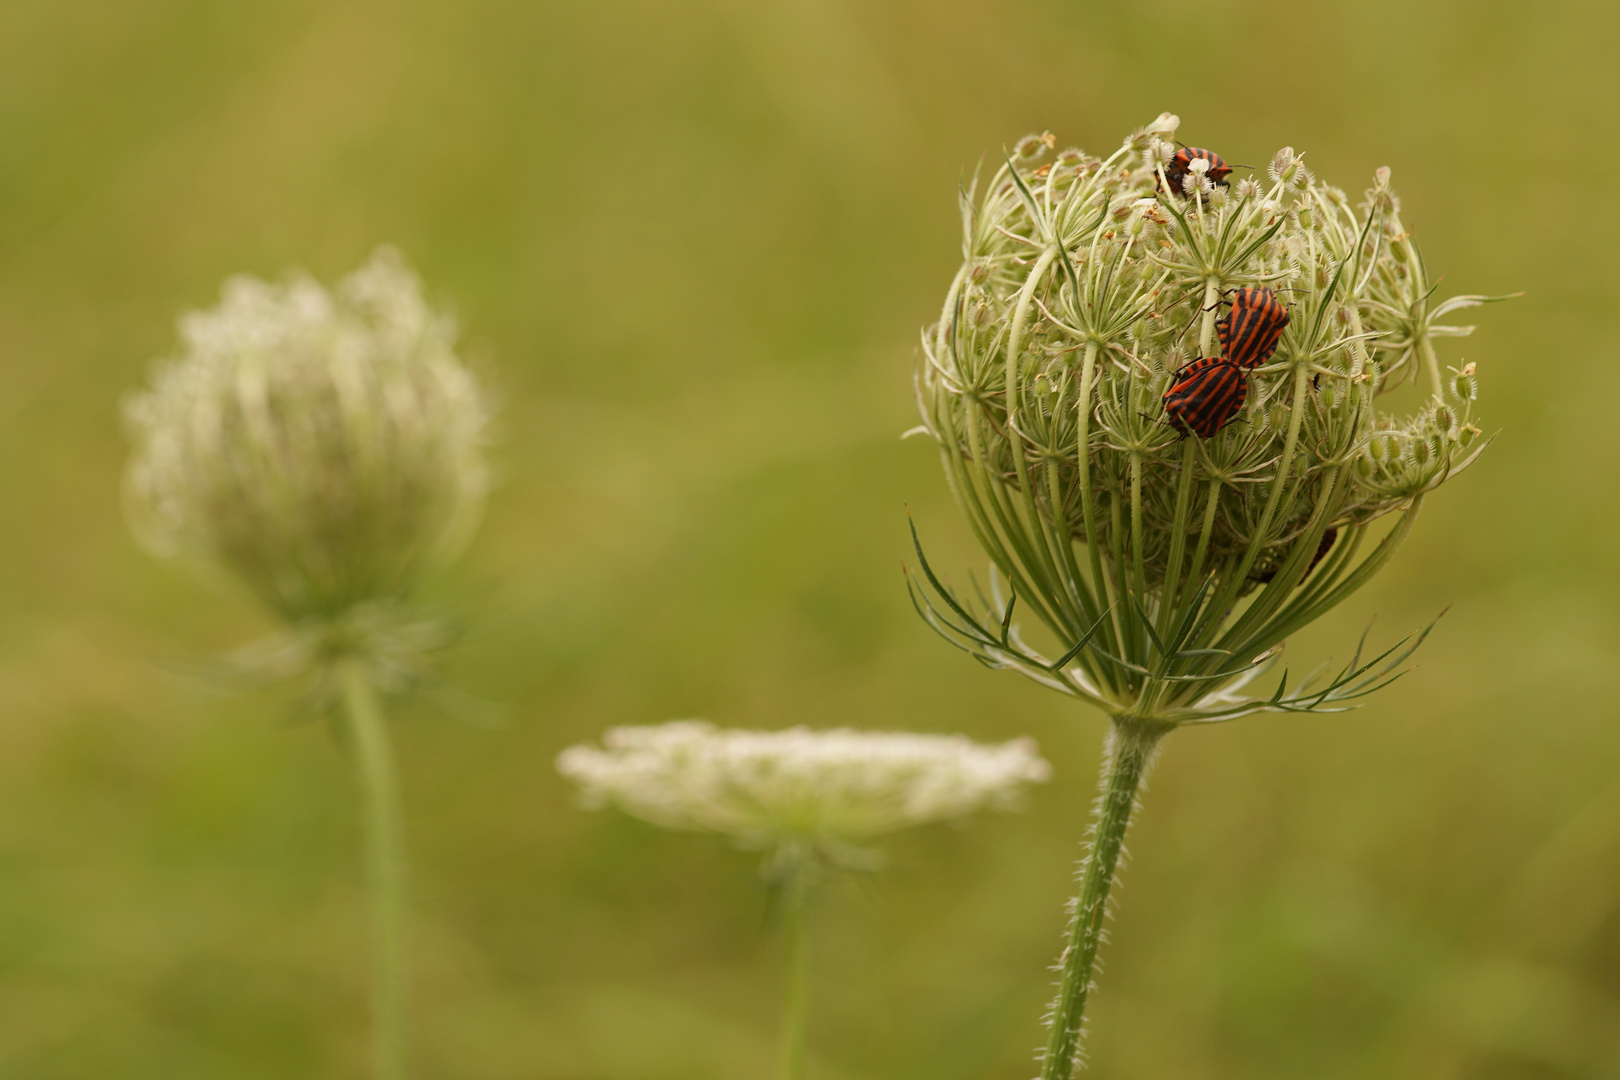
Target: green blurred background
pixel 690 244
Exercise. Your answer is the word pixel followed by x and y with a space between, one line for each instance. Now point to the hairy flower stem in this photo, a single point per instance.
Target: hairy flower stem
pixel 383 825
pixel 796 1003
pixel 1127 756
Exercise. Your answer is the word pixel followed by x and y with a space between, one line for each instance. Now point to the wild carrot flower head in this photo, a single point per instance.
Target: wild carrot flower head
pixel 324 448
pixel 829 789
pixel 1170 562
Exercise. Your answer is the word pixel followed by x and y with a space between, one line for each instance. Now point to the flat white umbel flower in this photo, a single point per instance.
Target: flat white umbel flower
pixel 808 797
pixel 837 787
pixel 325 450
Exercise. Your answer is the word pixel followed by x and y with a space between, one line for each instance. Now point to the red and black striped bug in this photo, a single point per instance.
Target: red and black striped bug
pixel 1176 170
pixel 1206 395
pixel 1250 331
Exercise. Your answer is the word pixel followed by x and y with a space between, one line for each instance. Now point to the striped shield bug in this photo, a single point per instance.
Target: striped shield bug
pixel 1176 170
pixel 1205 396
pixel 1250 331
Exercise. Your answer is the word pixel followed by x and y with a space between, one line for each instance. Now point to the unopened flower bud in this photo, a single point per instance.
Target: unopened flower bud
pixel 1445 421
pixel 1419 452
pixel 1032 147
pixel 1463 386
pixel 1165 126
pixel 1281 169
pixel 325 449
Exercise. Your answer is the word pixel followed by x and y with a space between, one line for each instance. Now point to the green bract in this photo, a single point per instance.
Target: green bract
pixel 1171 568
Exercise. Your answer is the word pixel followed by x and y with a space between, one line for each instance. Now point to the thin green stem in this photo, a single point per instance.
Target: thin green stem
pixel 1178 542
pixel 1100 582
pixel 1122 580
pixel 1206 331
pixel 1431 364
pixel 1202 550
pixel 796 998
pixel 1138 563
pixel 382 818
pixel 1129 753
pixel 1043 566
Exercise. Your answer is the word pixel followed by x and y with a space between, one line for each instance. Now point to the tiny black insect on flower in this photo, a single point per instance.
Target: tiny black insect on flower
pixel 1250 331
pixel 1206 395
pixel 1179 165
pixel 1329 538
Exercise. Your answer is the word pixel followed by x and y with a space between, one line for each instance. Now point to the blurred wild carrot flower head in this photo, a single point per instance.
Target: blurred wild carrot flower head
pixel 823 790
pixel 325 449
pixel 1170 556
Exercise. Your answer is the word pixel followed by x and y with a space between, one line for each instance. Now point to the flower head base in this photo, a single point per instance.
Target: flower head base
pixel 1171 567
pixel 830 789
pixel 325 449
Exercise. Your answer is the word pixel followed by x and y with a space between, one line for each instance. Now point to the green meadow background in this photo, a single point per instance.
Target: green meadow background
pixel 690 243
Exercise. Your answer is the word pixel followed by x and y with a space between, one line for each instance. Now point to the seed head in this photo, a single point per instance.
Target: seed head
pixel 1032 148
pixel 1463 387
pixel 1168 568
pixel 325 449
pixel 1282 167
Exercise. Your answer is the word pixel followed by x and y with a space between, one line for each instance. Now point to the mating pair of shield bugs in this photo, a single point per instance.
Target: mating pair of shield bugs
pixel 1206 394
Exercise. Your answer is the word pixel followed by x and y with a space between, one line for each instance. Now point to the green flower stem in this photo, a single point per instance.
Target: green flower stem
pixel 1206 331
pixel 796 1001
pixel 1129 752
pixel 1431 364
pixel 1101 583
pixel 383 819
pixel 1178 541
pixel 1044 566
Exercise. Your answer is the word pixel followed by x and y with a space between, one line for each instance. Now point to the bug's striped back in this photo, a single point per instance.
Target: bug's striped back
pixel 1179 165
pixel 1206 395
pixel 1249 333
